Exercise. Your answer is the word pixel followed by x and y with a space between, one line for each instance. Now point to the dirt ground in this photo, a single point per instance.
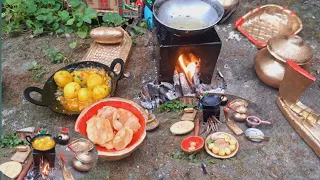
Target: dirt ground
pixel 285 156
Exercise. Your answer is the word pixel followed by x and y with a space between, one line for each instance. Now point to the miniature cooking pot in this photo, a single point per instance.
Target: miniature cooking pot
pixel 32 139
pixel 50 87
pixel 211 106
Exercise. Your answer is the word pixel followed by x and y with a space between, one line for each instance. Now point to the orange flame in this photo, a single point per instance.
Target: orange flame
pixel 189 69
pixel 46 167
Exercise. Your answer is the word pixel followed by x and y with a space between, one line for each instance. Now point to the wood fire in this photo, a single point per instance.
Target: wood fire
pixel 44 167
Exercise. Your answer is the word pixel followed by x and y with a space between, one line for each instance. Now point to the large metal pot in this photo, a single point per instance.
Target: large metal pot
pixel 187 17
pixel 269 62
pixel 50 87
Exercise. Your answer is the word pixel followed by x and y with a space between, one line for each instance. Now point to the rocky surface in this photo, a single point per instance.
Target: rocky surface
pixel 285 156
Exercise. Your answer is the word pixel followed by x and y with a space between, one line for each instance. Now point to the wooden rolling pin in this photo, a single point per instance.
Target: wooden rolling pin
pixel 25 170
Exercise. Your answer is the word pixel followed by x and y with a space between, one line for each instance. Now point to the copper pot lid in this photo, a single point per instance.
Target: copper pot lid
pixel 290 47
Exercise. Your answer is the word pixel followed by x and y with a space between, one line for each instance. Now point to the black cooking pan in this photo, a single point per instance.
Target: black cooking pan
pixel 50 87
pixel 187 17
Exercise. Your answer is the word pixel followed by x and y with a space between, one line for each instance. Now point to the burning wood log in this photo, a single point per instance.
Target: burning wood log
pixel 176 83
pixel 186 90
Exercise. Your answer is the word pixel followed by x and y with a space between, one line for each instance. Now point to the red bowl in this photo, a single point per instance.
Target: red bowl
pixel 138 137
pixel 185 144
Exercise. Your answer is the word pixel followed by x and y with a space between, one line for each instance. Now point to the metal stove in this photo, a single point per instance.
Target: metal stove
pixel 49 155
pixel 169 47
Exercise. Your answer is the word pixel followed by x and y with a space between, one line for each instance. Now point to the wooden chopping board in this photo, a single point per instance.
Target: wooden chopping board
pixel 21 156
pixel 11 169
pixel 189 116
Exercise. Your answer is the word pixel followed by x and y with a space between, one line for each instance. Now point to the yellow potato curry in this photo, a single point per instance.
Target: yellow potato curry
pixel 82 87
pixel 43 143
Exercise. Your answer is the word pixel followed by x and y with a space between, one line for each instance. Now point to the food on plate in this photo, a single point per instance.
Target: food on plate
pixel 193 144
pixel 82 87
pixel 192 148
pixel 99 130
pixel 112 128
pixel 62 78
pixel 122 138
pixel 222 144
pixel 43 143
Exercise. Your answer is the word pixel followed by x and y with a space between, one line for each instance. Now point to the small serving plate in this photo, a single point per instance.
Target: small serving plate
pixel 151 125
pixel 217 134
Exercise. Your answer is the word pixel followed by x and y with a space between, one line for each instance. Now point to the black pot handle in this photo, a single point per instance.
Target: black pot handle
pixel 29 90
pixel 28 138
pixel 58 138
pixel 113 64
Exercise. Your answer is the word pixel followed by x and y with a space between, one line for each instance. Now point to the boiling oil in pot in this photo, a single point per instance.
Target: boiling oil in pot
pixel 186 23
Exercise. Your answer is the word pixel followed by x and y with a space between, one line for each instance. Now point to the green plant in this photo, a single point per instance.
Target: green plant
pixel 50 16
pixel 35 67
pixel 172 106
pixel 113 20
pixel 193 158
pixel 11 140
pixel 55 56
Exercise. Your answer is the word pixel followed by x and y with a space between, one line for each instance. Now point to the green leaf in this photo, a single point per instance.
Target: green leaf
pixel 55 26
pixel 113 19
pixel 74 3
pixel 64 15
pixel 80 22
pixel 44 2
pixel 68 30
pixel 91 13
pixel 58 31
pixel 29 23
pixel 41 18
pixel 86 19
pixel 82 32
pixel 31 7
pixel 38 31
pixel 210 141
pixel 57 6
pixel 73 45
pixel 70 21
pixel 13 2
pixel 43 11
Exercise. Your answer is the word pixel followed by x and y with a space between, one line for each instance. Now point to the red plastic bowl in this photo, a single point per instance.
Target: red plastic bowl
pixel 138 137
pixel 185 144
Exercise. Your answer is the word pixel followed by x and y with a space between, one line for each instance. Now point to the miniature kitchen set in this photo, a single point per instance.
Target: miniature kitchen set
pixel 186 49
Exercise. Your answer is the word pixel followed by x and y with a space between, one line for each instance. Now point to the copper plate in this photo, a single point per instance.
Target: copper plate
pixel 106 53
pixel 265 22
pixel 81 145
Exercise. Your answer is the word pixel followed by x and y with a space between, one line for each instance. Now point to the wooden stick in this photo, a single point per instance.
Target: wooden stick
pixel 25 170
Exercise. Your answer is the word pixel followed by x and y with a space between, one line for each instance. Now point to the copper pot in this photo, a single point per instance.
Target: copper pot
pixel 269 62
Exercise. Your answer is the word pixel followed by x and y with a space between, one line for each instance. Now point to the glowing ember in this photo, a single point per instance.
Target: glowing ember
pixel 189 70
pixel 45 167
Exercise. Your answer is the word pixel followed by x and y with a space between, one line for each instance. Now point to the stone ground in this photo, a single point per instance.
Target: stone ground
pixel 285 156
